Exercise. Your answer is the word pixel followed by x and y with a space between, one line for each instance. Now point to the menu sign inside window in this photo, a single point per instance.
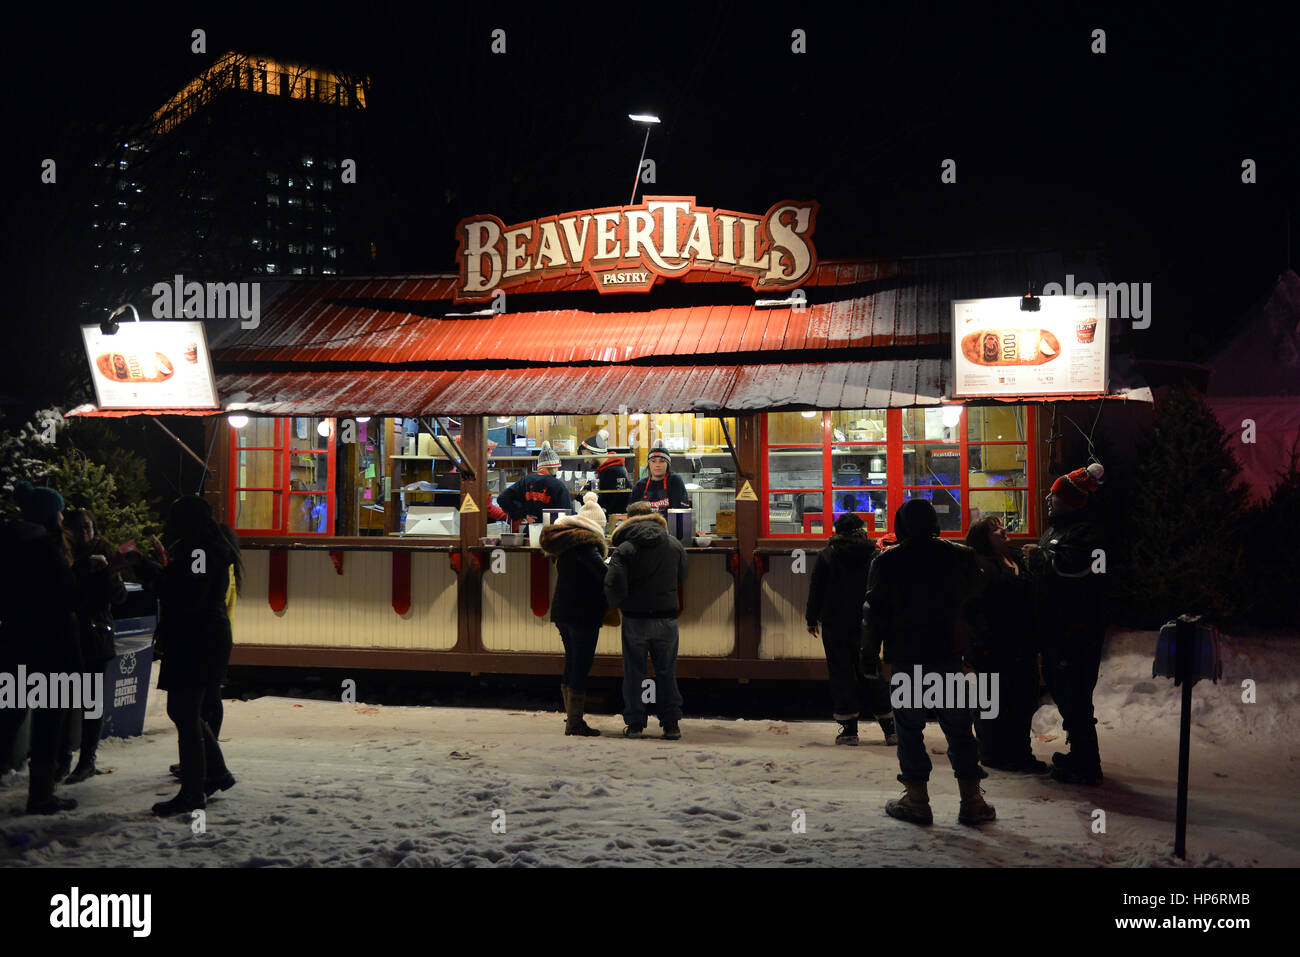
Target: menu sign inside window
pixel 1001 351
pixel 151 365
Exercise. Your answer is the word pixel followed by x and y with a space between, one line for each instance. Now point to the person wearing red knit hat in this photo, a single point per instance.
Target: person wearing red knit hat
pixel 1067 564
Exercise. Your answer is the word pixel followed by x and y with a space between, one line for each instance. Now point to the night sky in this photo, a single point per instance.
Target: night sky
pixel 1137 152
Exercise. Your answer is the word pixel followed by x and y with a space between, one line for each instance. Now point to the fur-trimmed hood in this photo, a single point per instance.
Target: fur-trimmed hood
pixel 558 539
pixel 641 530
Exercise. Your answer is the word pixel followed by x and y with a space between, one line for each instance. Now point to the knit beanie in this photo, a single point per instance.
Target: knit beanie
pixel 916 518
pixel 591 516
pixel 662 452
pixel 849 523
pixel 596 445
pixel 1075 487
pixel 547 457
pixel 39 503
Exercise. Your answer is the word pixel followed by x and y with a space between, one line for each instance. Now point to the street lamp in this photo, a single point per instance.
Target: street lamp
pixel 109 326
pixel 649 119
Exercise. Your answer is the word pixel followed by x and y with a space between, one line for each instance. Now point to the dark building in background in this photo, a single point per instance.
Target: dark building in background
pixel 243 173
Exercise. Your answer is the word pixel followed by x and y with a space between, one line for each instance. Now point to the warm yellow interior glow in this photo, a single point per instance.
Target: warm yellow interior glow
pixel 260 75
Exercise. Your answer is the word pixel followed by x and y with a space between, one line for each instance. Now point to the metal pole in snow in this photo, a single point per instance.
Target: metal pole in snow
pixel 1184 636
pixel 637 177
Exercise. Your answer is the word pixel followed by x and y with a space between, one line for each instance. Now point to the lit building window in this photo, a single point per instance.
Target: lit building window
pixel 273 178
pixel 294 201
pixel 306 161
pixel 272 268
pixel 272 199
pixel 327 185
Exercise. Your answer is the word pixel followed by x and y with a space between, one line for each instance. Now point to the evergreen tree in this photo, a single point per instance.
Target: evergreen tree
pixel 1273 558
pixel 1187 516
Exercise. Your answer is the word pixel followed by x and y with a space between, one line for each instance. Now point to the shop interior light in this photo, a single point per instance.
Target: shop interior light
pixel 636 417
pixel 809 414
pixel 323 428
pixel 363 418
pixel 643 118
pixel 504 419
pixel 237 421
pixel 951 416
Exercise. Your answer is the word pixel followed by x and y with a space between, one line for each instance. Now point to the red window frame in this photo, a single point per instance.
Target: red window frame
pixel 894 486
pixel 283 446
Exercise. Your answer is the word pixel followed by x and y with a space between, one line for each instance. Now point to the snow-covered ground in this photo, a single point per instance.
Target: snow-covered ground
pixel 327 784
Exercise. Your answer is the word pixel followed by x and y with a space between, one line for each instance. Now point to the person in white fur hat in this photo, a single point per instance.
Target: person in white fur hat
pixel 576 543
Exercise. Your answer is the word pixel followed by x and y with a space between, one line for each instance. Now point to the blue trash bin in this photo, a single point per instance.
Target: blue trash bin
pixel 126 676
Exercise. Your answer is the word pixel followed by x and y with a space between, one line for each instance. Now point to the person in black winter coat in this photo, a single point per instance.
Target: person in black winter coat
pixel 662 489
pixel 919 594
pixel 194 643
pixel 646 570
pixel 532 494
pixel 835 596
pixel 1006 646
pixel 612 482
pixel 99 587
pixel 38 631
pixel 1071 618
pixel 577 545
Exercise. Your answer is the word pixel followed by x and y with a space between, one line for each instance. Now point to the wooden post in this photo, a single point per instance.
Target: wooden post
pixel 473 526
pixel 748 597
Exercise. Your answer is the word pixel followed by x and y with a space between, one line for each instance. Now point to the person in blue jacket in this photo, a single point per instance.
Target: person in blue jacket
pixel 525 500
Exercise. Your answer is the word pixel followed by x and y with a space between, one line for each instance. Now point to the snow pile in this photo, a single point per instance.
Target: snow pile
pixel 323 783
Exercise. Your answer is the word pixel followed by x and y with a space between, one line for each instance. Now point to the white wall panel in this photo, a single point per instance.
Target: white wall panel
pixel 352 610
pixel 784 631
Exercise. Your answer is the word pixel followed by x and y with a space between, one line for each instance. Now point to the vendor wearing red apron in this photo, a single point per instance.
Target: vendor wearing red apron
pixel 661 489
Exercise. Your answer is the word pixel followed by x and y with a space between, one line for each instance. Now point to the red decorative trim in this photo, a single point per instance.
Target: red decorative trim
pixel 401 582
pixel 733 563
pixel 455 561
pixel 760 566
pixel 539 584
pixel 277 587
pixel 337 558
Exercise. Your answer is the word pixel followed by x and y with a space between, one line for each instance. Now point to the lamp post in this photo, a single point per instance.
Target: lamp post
pixel 109 326
pixel 649 119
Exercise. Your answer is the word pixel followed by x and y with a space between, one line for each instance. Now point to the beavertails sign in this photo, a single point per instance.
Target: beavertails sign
pixel 626 248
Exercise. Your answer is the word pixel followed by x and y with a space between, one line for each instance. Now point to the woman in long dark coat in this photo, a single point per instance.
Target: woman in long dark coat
pixel 1008 649
pixel 577 544
pixel 95 563
pixel 194 643
pixel 835 596
pixel 38 630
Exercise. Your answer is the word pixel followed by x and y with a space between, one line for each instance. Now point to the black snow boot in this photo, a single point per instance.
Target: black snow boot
pixel 181 804
pixel 887 726
pixel 41 798
pixel 848 731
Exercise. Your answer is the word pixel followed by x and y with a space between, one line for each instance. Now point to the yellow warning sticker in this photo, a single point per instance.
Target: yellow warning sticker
pixel 468 505
pixel 746 493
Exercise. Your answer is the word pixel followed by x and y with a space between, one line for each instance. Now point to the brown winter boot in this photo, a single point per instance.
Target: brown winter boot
pixel 974 809
pixel 575 724
pixel 914 806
